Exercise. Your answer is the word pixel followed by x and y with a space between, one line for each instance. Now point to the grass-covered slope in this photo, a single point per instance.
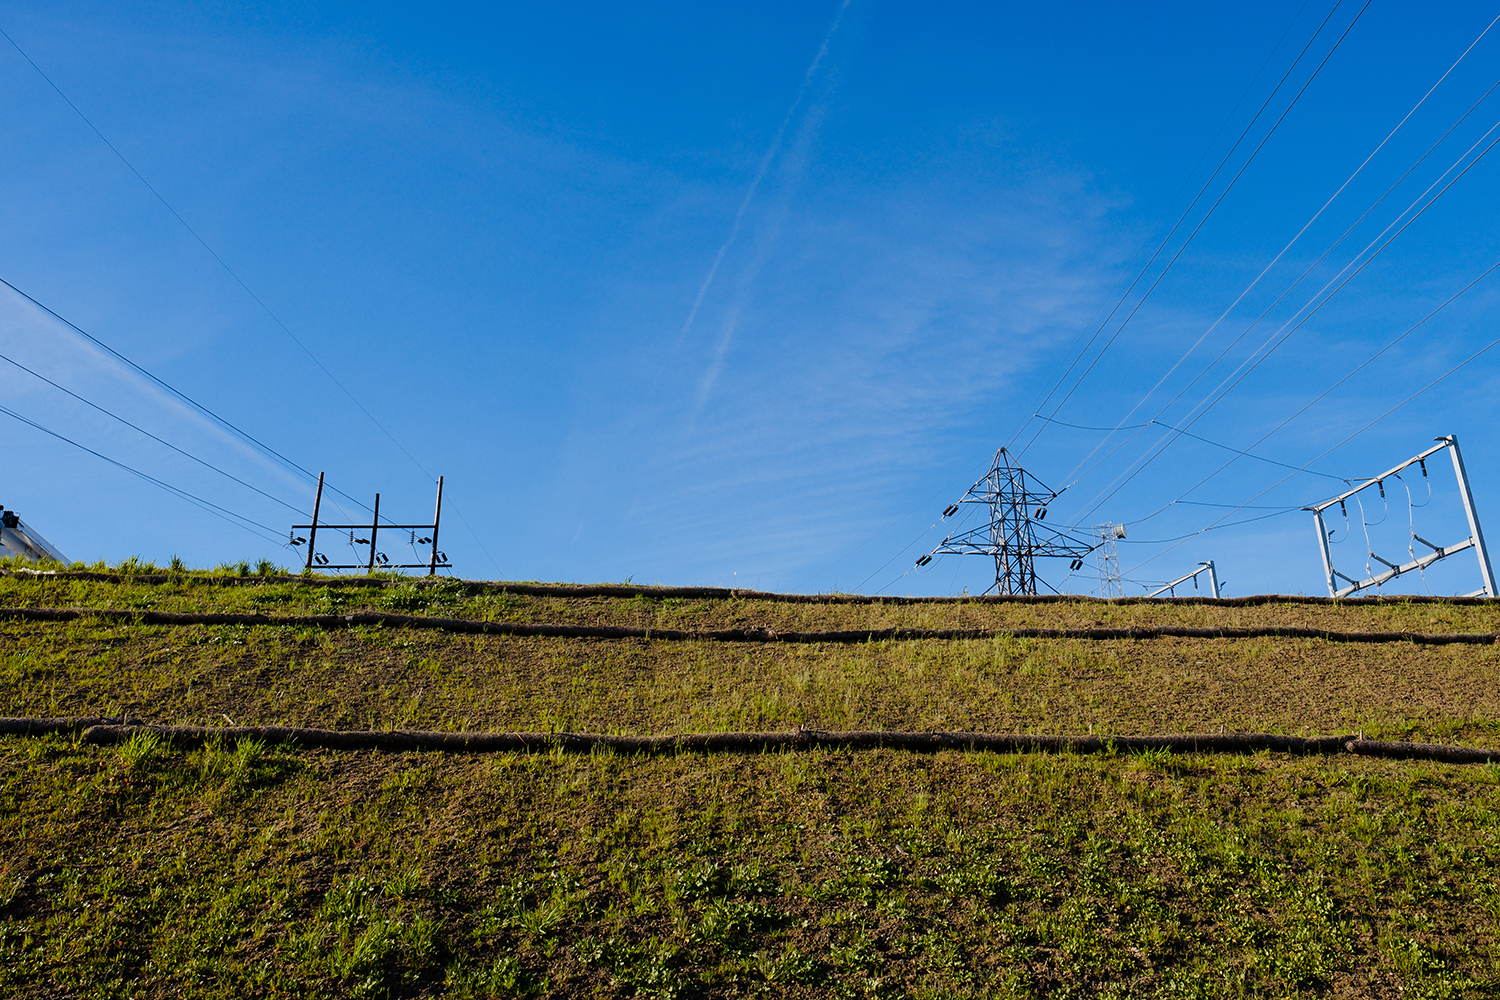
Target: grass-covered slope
pixel 240 869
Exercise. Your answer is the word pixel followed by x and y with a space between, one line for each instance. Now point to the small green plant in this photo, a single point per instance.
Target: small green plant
pixel 10 888
pixel 701 881
pixel 1158 759
pixel 267 568
pixel 141 750
pixel 408 597
pixel 370 950
pixel 246 764
pixel 542 920
pixel 791 966
pixel 501 977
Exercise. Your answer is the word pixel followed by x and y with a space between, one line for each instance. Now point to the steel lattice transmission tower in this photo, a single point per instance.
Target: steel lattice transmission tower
pixel 1015 536
pixel 1110 583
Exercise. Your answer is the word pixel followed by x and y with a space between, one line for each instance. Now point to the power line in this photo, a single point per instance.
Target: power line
pixel 1213 527
pixel 1450 372
pixel 1222 195
pixel 1243 372
pixel 1086 427
pixel 235 430
pixel 1185 213
pixel 1258 458
pixel 1156 228
pixel 213 508
pixel 1356 370
pixel 1303 276
pixel 248 291
pixel 1216 444
pixel 244 435
pixel 142 430
pixel 212 253
pixel 1316 215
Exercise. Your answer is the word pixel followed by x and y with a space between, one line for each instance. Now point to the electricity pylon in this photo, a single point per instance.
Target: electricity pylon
pixel 1110 583
pixel 1015 536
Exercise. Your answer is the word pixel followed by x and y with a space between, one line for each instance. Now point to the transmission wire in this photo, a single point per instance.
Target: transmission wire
pixel 1318 214
pixel 1450 372
pixel 213 508
pixel 1284 333
pixel 248 291
pixel 148 434
pixel 1222 195
pixel 1156 228
pixel 1310 268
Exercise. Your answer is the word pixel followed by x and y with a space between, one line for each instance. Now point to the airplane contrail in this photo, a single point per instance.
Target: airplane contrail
pixel 760 174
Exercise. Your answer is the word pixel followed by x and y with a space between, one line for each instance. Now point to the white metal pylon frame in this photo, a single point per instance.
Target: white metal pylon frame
pixel 1475 540
pixel 1108 556
pixel 1204 567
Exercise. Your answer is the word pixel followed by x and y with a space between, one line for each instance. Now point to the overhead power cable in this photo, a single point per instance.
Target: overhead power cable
pixel 1213 527
pixel 243 435
pixel 239 520
pixel 1074 350
pixel 1196 437
pixel 1326 392
pixel 1222 195
pixel 1449 373
pixel 1258 458
pixel 142 430
pixel 1300 278
pixel 248 291
pixel 1306 226
pixel 1288 329
pixel 211 252
pixel 1178 224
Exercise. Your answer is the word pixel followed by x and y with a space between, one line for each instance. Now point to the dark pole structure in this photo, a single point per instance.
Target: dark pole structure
pixel 374 528
pixel 312 533
pixel 435 561
pixel 437 517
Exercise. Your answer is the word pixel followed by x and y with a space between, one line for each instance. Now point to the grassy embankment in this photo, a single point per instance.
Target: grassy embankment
pixel 241 869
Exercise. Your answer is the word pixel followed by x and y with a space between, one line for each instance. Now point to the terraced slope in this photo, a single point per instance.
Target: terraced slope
pixel 241 868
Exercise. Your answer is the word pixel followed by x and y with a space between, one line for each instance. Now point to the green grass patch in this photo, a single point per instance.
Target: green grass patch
pixel 232 870
pixel 241 869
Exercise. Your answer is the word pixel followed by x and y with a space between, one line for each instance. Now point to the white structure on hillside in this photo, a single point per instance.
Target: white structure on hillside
pixel 17 538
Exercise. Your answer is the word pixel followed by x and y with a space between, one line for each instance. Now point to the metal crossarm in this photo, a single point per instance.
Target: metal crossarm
pixel 1207 567
pixel 1474 541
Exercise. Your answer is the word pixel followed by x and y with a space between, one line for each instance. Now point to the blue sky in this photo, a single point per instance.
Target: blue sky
pixel 745 296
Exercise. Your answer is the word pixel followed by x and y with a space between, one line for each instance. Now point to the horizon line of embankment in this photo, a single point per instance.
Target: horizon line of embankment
pixel 626 590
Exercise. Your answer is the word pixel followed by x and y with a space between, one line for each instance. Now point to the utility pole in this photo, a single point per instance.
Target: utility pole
pixel 437 518
pixel 312 532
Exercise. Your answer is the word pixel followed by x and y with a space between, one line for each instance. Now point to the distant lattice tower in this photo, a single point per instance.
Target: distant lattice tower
pixel 1110 582
pixel 1014 536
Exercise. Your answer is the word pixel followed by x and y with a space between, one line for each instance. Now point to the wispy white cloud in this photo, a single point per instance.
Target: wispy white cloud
pixel 747 276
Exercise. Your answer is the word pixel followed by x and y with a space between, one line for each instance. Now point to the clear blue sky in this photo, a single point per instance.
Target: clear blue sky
pixel 697 294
